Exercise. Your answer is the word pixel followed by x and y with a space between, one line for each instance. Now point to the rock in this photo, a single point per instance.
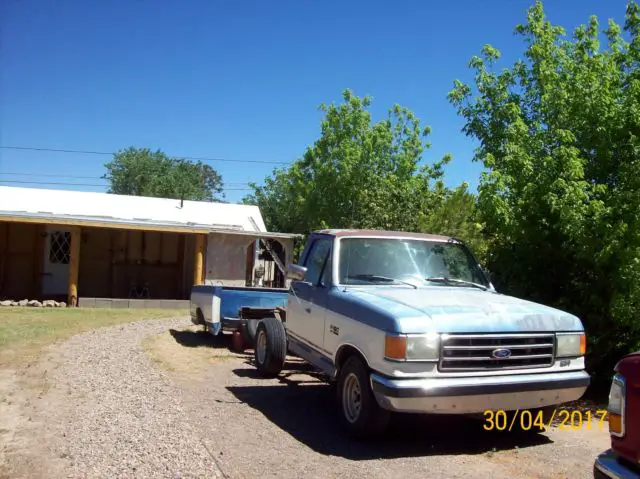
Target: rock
pixel 23 302
pixel 14 303
pixel 34 304
pixel 7 302
pixel 49 303
pixel 62 304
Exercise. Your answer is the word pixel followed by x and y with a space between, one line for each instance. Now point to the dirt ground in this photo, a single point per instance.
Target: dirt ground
pixel 238 425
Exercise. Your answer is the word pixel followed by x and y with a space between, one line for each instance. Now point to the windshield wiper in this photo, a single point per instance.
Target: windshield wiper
pixel 375 277
pixel 456 281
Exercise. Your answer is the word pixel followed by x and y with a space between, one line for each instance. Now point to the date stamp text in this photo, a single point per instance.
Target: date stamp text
pixel 526 420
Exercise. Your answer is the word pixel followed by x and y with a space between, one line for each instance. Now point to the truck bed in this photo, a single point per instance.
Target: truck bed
pixel 221 305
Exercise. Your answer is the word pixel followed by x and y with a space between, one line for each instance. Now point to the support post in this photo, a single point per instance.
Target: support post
pixel 38 260
pixel 74 266
pixel 198 262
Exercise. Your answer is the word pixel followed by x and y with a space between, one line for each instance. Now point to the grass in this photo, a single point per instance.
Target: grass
pixel 191 353
pixel 25 332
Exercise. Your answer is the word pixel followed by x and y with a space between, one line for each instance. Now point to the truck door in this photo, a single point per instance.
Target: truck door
pixel 308 298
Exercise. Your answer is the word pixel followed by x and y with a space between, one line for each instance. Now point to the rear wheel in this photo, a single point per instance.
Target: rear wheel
pixel 270 348
pixel 360 412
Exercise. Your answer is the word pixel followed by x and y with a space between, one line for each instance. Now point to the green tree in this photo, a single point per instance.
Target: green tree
pixel 559 133
pixel 142 172
pixel 457 215
pixel 358 174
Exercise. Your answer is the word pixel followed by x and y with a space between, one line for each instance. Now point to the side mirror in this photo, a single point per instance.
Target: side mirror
pixel 296 272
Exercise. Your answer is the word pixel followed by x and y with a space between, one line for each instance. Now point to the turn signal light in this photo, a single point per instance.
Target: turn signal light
pixel 395 347
pixel 583 344
pixel 615 423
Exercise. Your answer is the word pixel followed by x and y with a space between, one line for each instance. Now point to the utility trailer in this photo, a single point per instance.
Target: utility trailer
pixel 234 308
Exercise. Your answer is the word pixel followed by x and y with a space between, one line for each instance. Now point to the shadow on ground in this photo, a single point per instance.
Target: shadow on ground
pixel 302 372
pixel 200 339
pixel 307 411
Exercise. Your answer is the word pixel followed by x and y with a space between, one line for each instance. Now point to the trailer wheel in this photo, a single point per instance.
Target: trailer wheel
pixel 360 412
pixel 201 321
pixel 250 329
pixel 270 349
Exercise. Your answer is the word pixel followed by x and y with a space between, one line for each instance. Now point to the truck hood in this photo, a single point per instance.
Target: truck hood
pixel 459 309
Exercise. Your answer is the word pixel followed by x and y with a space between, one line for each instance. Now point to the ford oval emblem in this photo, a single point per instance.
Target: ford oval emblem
pixel 501 353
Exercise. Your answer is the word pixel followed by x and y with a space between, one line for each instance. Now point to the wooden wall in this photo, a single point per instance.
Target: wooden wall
pixel 21 257
pixel 112 261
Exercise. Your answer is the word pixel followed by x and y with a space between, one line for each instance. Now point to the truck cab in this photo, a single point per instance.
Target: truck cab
pixel 622 460
pixel 408 322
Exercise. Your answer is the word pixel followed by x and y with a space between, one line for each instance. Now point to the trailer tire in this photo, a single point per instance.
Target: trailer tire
pixel 360 413
pixel 250 329
pixel 270 347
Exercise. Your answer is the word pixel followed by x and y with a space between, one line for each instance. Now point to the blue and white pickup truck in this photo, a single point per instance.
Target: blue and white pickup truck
pixel 410 323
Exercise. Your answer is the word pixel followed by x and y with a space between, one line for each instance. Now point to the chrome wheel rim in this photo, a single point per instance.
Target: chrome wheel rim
pixel 351 398
pixel 261 347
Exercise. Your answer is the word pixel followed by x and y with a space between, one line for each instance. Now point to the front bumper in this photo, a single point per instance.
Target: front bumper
pixel 473 395
pixel 607 465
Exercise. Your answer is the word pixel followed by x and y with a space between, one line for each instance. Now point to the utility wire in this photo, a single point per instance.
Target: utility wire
pixel 86 152
pixel 86 184
pixel 49 175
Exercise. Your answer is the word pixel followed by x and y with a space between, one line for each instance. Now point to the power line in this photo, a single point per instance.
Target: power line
pixel 46 175
pixel 50 175
pixel 88 152
pixel 85 184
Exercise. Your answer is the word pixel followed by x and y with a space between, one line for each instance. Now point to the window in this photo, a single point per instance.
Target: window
pixel 60 247
pixel 326 273
pixel 361 260
pixel 316 259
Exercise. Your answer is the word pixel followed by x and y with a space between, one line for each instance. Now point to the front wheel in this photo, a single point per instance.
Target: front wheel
pixel 270 349
pixel 360 412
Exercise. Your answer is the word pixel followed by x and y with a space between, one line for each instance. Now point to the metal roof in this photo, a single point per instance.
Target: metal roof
pixel 138 212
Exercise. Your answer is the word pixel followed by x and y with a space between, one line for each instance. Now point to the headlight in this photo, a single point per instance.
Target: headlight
pixel 422 347
pixel 571 345
pixel 616 406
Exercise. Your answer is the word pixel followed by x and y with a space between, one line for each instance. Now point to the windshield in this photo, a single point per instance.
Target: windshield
pixel 389 260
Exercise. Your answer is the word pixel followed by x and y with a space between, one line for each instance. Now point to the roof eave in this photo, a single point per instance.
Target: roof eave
pixel 135 224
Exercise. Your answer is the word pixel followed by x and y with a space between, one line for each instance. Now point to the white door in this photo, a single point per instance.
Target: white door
pixel 57 251
pixel 306 308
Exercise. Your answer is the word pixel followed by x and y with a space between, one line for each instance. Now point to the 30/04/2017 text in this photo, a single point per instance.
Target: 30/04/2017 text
pixel 525 420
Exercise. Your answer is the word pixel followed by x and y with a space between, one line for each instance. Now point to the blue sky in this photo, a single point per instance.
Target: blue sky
pixel 236 80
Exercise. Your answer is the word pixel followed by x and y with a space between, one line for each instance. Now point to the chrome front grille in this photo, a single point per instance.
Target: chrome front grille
pixel 477 352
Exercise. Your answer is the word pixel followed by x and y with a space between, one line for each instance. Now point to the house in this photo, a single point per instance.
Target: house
pixel 99 249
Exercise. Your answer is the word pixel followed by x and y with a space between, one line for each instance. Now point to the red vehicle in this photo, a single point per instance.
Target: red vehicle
pixel 623 459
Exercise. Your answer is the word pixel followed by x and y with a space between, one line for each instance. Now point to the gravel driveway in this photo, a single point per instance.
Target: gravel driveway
pixel 160 399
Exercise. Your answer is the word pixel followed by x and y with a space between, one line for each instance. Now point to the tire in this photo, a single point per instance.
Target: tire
pixel 360 413
pixel 250 329
pixel 200 320
pixel 270 347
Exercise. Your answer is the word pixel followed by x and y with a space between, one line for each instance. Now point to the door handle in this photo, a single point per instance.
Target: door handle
pixel 308 310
